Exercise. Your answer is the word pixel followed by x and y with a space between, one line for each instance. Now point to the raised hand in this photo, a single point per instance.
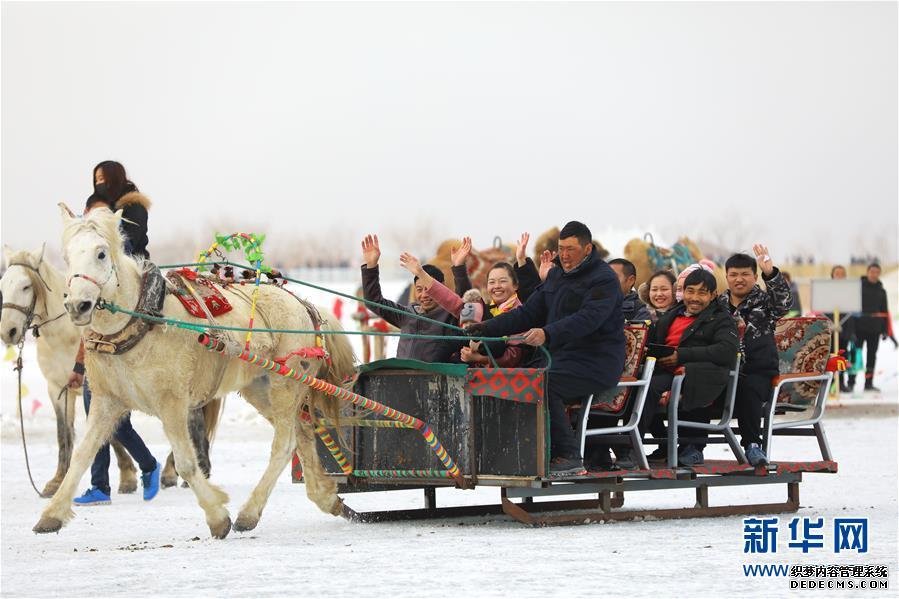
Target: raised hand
pixel 458 255
pixel 546 263
pixel 411 263
pixel 521 252
pixel 763 258
pixel 371 251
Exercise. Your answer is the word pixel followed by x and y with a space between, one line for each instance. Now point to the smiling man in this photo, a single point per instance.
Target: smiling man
pixel 705 340
pixel 404 317
pixel 576 314
pixel 756 312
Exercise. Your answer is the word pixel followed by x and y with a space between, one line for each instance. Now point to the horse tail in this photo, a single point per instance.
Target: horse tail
pixel 212 414
pixel 338 371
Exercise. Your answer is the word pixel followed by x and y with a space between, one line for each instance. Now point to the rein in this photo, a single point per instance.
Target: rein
pixel 18 369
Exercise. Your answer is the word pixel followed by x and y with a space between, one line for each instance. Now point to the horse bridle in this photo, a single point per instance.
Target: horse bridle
pixel 78 275
pixel 29 311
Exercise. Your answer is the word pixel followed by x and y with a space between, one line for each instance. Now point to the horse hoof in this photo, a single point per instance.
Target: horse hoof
pixel 245 523
pixel 49 489
pixel 47 524
pixel 127 487
pixel 168 481
pixel 185 484
pixel 221 530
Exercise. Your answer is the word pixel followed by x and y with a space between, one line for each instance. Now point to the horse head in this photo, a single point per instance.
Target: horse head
pixel 92 248
pixel 20 293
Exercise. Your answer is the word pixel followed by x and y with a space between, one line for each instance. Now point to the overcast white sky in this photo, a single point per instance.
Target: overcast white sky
pixel 740 121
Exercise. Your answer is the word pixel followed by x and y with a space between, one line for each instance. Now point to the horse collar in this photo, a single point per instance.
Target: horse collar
pixel 150 301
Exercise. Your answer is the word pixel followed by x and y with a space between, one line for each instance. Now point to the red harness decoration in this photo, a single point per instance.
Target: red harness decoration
pixel 212 296
pixel 317 353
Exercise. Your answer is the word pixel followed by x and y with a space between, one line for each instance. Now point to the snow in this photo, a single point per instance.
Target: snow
pixel 162 548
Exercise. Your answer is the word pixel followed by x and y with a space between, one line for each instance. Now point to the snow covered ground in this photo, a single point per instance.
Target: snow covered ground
pixel 162 548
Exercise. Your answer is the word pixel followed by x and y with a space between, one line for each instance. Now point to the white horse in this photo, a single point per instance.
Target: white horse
pixel 168 372
pixel 32 296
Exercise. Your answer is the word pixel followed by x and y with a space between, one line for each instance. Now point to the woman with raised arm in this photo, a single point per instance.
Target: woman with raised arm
pixel 502 288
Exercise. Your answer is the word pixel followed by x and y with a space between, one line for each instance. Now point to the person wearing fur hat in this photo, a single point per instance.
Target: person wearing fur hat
pixel 404 317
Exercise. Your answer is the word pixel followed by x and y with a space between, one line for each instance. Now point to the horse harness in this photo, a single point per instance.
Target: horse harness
pixel 319 351
pixel 150 302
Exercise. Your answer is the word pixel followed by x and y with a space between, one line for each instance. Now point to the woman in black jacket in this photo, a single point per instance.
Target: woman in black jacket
pixel 113 189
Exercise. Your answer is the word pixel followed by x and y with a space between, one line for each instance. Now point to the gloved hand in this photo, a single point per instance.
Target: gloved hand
pixel 475 329
pixel 895 343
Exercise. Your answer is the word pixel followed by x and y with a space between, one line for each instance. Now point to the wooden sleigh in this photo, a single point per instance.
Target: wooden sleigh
pixel 494 424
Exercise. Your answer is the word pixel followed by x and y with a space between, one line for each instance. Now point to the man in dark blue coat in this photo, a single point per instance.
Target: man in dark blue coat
pixel 576 314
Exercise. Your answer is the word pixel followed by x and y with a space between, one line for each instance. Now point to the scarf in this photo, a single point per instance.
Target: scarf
pixel 507 306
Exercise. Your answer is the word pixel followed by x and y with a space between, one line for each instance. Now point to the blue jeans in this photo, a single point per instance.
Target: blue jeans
pixel 130 440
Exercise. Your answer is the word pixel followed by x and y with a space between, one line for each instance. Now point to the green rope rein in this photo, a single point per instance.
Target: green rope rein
pixel 182 324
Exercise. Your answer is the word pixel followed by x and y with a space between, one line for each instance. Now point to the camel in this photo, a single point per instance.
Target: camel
pixel 648 258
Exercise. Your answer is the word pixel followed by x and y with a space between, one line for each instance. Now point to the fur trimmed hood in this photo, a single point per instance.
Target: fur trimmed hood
pixel 133 198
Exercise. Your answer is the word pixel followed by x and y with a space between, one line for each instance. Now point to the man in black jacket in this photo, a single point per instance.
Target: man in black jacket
pixel 756 313
pixel 873 324
pixel 705 340
pixel 631 306
pixel 404 317
pixel 576 314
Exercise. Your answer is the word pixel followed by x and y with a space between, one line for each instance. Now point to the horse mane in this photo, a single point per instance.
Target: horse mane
pixel 107 225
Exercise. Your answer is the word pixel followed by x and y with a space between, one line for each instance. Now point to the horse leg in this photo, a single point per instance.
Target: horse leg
pixel 169 476
pixel 321 489
pixel 211 498
pixel 284 420
pixel 282 448
pixel 196 425
pixel 101 422
pixel 127 471
pixel 65 437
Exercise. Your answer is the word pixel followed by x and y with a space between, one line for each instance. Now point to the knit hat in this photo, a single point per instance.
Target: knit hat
pixel 432 270
pixel 471 312
pixel 681 277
